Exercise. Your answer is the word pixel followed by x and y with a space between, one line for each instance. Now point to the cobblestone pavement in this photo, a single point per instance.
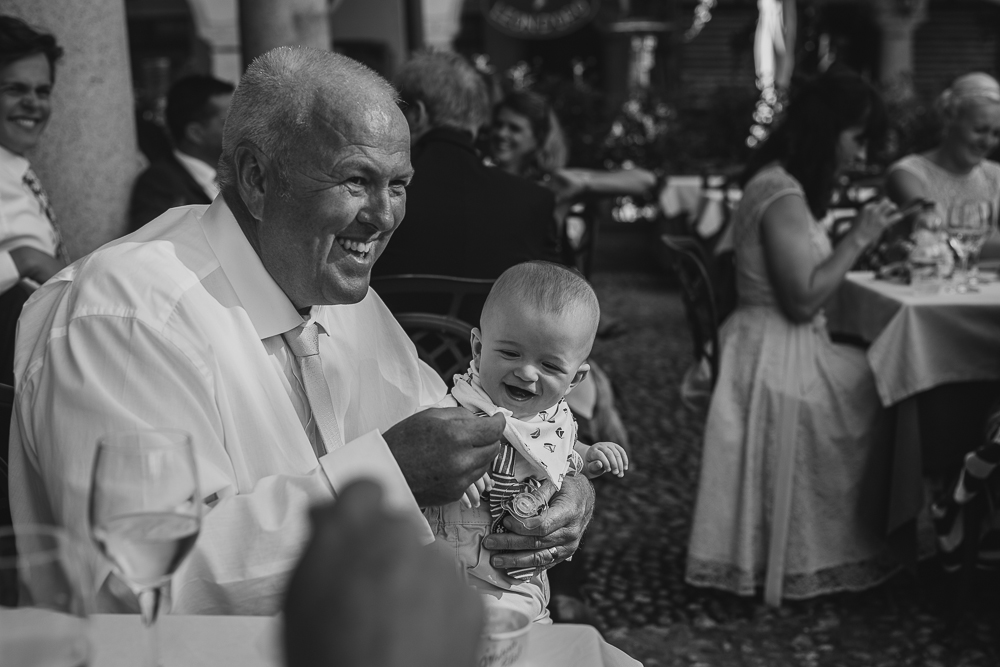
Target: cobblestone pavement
pixel 635 547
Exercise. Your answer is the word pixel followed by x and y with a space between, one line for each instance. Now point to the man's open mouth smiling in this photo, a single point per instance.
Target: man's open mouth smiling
pixel 359 248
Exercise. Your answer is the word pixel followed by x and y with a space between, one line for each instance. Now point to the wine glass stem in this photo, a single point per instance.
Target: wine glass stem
pixel 149 606
pixel 963 268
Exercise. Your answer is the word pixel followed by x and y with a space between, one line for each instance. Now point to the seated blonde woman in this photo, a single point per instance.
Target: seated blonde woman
pixel 796 452
pixel 956 170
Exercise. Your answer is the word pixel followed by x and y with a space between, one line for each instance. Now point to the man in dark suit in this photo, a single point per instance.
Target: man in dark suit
pixel 196 113
pixel 462 217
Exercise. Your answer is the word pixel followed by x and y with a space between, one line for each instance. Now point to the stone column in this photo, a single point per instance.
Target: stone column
pixel 898 20
pixel 265 24
pixel 87 158
pixel 217 23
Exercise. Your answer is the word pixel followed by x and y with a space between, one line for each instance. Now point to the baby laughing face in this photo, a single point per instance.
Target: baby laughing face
pixel 529 356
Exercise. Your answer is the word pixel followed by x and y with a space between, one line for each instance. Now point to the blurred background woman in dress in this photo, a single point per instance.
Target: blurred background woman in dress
pixel 791 494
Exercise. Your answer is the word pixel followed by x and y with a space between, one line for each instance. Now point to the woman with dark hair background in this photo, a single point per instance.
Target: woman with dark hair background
pixel 792 493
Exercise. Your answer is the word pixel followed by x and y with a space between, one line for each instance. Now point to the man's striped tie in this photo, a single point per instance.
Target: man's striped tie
pixel 31 181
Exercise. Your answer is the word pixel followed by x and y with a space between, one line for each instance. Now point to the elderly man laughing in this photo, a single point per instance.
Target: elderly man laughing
pixel 202 320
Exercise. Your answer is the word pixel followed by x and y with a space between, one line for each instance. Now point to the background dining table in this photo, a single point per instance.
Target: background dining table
pixel 253 641
pixel 917 342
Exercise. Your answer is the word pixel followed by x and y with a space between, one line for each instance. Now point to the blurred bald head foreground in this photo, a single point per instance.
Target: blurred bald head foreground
pixel 315 160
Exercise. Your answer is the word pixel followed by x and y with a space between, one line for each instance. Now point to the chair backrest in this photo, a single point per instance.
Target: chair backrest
pixel 442 342
pixel 460 298
pixel 687 258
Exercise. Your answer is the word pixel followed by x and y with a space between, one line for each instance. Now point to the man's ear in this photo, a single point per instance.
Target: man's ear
pixel 581 373
pixel 417 119
pixel 476 340
pixel 253 177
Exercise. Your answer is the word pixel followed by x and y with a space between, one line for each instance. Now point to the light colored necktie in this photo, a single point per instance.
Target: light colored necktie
pixel 31 180
pixel 303 341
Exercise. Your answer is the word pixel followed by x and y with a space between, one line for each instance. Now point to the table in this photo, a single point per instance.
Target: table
pixel 253 641
pixel 918 342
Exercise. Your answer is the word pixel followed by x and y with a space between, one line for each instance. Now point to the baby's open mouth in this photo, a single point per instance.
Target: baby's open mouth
pixel 517 393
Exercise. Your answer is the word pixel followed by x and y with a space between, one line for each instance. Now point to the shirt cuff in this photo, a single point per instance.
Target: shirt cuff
pixel 9 275
pixel 368 457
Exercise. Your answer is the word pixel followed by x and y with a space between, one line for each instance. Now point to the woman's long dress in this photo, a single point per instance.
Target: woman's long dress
pixel 786 393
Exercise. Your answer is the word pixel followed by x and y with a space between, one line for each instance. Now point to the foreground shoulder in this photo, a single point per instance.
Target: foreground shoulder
pixel 992 170
pixel 770 180
pixel 145 273
pixel 767 187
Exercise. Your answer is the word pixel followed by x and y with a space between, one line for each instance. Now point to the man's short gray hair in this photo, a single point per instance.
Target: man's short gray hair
pixel 273 103
pixel 452 91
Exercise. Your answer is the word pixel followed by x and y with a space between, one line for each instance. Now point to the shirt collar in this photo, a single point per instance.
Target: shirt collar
pixel 267 306
pixel 13 164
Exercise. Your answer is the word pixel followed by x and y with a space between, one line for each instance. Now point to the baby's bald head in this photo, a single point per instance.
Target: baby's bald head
pixel 549 288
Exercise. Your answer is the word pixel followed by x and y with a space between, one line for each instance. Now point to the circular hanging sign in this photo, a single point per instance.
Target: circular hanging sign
pixel 539 19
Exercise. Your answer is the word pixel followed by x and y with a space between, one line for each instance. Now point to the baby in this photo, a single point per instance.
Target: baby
pixel 537 328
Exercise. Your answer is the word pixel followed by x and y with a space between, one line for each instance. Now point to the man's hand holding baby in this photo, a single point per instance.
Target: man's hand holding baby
pixel 550 537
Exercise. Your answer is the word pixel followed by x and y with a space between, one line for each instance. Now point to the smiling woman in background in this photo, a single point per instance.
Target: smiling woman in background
pixel 956 170
pixel 29 241
pixel 528 141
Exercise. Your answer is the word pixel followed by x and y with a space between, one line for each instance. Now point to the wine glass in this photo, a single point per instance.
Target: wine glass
pixel 968 224
pixel 145 513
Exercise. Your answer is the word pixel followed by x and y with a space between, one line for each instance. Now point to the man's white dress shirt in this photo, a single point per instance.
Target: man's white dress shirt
pixel 179 325
pixel 203 173
pixel 22 220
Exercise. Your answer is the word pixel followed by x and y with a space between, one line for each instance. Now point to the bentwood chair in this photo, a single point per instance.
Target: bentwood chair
pixel 686 257
pixel 435 312
pixel 963 517
pixel 442 342
pixel 460 298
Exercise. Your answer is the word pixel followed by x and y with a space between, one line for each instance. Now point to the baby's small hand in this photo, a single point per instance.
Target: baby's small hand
pixel 604 456
pixel 472 495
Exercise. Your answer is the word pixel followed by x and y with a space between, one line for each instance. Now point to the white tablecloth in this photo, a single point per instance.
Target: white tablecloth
pixel 252 641
pixel 918 342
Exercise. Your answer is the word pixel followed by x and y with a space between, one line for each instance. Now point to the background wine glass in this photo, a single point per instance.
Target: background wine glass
pixel 46 593
pixel 968 225
pixel 145 512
